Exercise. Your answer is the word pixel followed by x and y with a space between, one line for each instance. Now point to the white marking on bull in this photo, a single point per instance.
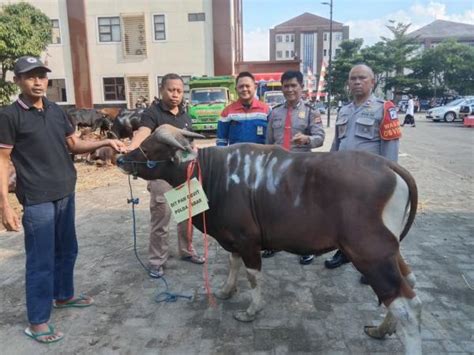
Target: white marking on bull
pixel 395 212
pixel 271 186
pixel 408 315
pixel 247 166
pixel 255 278
pixel 411 279
pixel 235 178
pixel 282 170
pixel 232 175
pixel 297 201
pixel 259 171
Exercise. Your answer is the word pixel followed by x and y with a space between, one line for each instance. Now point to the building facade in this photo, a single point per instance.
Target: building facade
pixel 440 30
pixel 306 37
pixel 112 53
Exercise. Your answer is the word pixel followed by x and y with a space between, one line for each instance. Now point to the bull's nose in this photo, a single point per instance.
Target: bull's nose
pixel 120 160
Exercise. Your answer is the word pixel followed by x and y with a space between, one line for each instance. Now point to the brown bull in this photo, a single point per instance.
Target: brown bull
pixel 263 197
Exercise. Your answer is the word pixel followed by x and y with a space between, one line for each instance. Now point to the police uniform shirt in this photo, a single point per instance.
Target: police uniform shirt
pixel 358 128
pixel 304 119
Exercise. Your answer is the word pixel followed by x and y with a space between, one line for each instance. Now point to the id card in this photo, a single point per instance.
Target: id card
pixel 259 130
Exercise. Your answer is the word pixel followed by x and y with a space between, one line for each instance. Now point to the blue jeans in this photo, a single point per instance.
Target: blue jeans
pixel 51 251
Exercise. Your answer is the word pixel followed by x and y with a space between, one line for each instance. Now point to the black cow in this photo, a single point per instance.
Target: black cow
pixel 125 124
pixel 89 118
pixel 263 197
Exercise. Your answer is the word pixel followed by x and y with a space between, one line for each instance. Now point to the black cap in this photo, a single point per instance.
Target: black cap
pixel 27 63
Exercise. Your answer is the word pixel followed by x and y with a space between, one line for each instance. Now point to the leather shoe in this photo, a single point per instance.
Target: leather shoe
pixel 268 253
pixel 337 260
pixel 306 259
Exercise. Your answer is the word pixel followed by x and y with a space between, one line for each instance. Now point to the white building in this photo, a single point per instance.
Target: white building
pixel 110 53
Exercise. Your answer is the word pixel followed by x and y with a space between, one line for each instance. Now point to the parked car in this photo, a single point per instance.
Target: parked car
pixel 424 104
pixel 466 110
pixel 450 111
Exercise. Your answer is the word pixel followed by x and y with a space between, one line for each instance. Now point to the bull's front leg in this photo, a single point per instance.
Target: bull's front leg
pixel 255 278
pixel 230 286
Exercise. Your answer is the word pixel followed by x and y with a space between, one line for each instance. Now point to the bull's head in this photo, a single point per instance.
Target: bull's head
pixel 156 157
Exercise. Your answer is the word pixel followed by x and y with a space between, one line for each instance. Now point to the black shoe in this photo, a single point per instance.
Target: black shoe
pixel 268 253
pixel 363 280
pixel 337 260
pixel 306 259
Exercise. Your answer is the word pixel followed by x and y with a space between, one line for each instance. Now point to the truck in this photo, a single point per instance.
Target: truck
pixel 209 95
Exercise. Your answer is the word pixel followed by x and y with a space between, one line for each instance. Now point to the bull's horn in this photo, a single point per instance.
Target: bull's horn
pixel 191 134
pixel 167 134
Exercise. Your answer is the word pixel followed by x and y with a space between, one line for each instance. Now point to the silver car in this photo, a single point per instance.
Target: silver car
pixel 450 111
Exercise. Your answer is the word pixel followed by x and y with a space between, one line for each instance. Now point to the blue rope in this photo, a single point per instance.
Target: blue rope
pixel 165 296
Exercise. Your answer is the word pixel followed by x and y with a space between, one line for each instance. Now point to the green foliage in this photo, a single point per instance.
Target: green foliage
pixel 347 58
pixel 24 30
pixel 445 69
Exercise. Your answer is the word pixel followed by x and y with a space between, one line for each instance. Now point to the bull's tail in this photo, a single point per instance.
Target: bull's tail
pixel 413 196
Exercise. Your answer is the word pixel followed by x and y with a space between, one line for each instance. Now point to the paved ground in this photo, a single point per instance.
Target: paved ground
pixel 309 310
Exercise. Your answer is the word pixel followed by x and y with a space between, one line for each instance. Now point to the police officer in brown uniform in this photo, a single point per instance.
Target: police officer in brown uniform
pixel 294 125
pixel 367 124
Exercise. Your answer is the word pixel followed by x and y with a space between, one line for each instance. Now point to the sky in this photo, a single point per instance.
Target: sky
pixel 366 18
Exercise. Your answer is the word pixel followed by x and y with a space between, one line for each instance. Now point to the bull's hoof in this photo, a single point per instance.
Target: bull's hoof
pixel 375 332
pixel 243 316
pixel 222 295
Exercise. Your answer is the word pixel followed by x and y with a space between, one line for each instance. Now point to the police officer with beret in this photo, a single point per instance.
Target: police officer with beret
pixel 295 125
pixel 367 124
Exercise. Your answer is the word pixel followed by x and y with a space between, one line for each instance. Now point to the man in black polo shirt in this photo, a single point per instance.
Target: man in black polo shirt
pixel 168 110
pixel 36 134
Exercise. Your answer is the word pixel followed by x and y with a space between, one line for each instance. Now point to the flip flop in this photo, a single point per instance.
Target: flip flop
pixel 75 302
pixel 36 336
pixel 195 259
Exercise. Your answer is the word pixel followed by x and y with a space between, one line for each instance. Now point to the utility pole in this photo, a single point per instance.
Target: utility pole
pixel 329 81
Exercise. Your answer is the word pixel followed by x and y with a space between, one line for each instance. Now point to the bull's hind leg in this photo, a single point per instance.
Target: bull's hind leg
pixel 406 271
pixel 230 286
pixel 404 307
pixel 389 324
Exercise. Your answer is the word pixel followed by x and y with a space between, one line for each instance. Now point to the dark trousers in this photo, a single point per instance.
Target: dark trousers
pixel 409 119
pixel 51 251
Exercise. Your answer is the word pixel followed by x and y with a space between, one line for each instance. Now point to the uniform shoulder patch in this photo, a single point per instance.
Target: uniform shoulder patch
pixel 390 125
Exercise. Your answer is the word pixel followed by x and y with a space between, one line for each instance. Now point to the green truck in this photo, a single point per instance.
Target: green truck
pixel 209 95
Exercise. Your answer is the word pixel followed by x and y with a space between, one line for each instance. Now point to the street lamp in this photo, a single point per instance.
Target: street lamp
pixel 329 90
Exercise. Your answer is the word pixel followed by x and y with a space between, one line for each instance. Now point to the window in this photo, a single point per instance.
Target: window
pixel 287 38
pixel 279 38
pixel 159 27
pixel 338 36
pixel 287 54
pixel 55 32
pixel 109 29
pixel 325 52
pixel 292 54
pixel 199 16
pixel 56 91
pixel 114 89
pixel 292 38
pixel 279 54
pixel 325 36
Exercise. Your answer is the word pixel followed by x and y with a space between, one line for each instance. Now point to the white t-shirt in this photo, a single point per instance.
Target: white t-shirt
pixel 411 107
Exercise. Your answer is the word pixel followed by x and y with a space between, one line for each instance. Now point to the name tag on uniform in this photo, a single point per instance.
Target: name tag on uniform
pixel 180 198
pixel 259 130
pixel 301 114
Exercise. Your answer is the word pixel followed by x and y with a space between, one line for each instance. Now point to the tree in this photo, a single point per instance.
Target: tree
pixel 398 56
pixel 24 30
pixel 341 66
pixel 446 69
